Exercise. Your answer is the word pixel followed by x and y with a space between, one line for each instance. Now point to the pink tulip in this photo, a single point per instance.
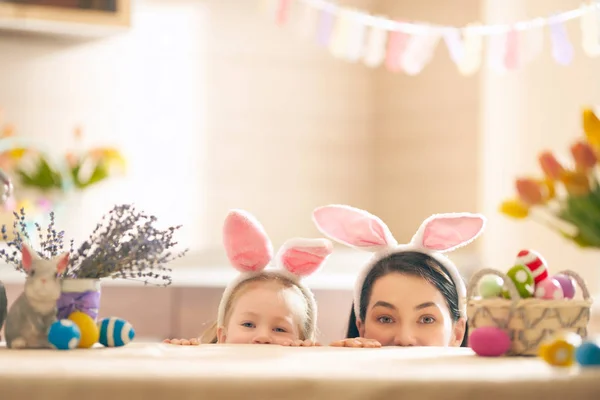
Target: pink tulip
pixel 551 167
pixel 530 192
pixel 584 156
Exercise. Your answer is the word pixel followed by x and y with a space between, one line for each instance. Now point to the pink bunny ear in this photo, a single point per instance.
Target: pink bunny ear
pixel 63 262
pixel 353 227
pixel 302 257
pixel 446 232
pixel 246 242
pixel 27 257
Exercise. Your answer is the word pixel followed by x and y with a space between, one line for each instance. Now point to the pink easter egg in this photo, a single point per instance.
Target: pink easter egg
pixel 549 289
pixel 489 341
pixel 535 262
pixel 567 284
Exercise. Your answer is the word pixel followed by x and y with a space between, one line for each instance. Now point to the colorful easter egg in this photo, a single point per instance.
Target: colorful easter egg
pixel 490 286
pixel 535 262
pixel 567 284
pixel 523 279
pixel 489 341
pixel 115 332
pixel 588 354
pixel 64 335
pixel 549 289
pixel 559 350
pixel 89 330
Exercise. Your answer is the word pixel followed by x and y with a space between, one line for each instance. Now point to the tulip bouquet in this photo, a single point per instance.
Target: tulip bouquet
pixel 567 197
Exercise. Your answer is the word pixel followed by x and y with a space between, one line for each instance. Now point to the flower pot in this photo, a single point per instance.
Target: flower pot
pixel 79 295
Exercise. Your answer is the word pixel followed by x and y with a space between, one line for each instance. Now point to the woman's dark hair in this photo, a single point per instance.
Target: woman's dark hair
pixel 409 263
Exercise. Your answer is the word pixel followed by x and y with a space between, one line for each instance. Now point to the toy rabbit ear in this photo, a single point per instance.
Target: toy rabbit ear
pixel 246 243
pixel 63 262
pixel 27 257
pixel 303 257
pixel 353 227
pixel 447 232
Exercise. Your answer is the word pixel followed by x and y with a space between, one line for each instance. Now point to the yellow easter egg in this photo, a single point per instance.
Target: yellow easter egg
pixel 90 334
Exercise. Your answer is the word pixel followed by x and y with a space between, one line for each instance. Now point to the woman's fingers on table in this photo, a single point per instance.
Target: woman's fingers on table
pixel 183 342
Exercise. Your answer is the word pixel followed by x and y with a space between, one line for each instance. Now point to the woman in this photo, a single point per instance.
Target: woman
pixel 407 295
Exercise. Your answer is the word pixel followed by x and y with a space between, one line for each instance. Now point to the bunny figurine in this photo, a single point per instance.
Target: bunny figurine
pixel 34 311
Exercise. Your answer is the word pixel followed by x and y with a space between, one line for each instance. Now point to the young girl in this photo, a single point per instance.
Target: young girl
pixel 410 294
pixel 265 305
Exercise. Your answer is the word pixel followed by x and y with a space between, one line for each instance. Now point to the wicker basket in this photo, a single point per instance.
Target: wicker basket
pixel 527 321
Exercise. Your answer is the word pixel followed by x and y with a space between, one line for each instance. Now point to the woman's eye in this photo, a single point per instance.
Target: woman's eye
pixel 385 320
pixel 248 325
pixel 280 330
pixel 427 320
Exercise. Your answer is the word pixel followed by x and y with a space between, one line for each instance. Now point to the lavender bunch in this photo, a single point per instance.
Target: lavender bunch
pixel 127 245
pixel 51 242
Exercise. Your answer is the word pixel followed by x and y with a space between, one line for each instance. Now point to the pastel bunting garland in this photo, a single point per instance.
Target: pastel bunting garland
pixel 406 47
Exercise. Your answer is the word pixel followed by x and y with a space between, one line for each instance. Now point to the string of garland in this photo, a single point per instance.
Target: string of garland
pixel 357 36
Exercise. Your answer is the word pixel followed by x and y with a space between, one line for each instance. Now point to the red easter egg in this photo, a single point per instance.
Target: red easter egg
pixel 535 262
pixel 489 341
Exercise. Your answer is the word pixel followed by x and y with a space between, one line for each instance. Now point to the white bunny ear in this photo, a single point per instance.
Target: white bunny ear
pixel 302 257
pixel 353 227
pixel 246 243
pixel 447 232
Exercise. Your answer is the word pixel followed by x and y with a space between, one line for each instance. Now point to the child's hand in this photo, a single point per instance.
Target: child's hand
pixel 356 342
pixel 300 343
pixel 183 342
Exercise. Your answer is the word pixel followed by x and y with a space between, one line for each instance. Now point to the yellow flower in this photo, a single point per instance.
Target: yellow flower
pixel 514 208
pixel 109 155
pixel 591 127
pixel 550 188
pixel 576 183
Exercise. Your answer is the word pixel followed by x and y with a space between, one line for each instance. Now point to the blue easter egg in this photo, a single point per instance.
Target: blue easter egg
pixel 64 335
pixel 588 354
pixel 115 332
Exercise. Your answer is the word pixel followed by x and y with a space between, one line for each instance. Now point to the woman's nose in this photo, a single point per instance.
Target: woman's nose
pixel 405 338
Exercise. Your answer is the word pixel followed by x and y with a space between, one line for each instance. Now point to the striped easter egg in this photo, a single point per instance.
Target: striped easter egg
pixel 115 332
pixel 535 262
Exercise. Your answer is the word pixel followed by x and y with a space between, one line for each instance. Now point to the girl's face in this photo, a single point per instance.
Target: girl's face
pixel 407 310
pixel 264 313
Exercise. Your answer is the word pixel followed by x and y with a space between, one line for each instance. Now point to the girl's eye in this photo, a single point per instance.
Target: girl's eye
pixel 385 320
pixel 248 325
pixel 280 330
pixel 427 320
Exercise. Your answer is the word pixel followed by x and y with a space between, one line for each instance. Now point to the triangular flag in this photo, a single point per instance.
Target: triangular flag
pixel 496 50
pixel 355 46
pixel 562 49
pixel 419 51
pixel 282 12
pixel 339 35
pixel 472 49
pixel 395 49
pixel 324 27
pixel 375 47
pixel 455 45
pixel 306 20
pixel 590 30
pixel 511 57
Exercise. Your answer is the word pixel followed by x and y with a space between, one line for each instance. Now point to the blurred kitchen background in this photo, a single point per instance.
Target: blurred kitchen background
pixel 193 107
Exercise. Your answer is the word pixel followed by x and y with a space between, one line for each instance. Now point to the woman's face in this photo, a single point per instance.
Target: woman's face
pixel 407 310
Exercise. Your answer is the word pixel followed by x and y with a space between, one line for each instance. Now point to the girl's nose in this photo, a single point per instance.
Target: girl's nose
pixel 262 339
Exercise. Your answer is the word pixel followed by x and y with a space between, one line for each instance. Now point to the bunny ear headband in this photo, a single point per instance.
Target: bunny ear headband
pixel 438 234
pixel 249 250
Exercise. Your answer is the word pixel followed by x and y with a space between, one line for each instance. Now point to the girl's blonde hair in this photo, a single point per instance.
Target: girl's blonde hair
pixel 307 330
